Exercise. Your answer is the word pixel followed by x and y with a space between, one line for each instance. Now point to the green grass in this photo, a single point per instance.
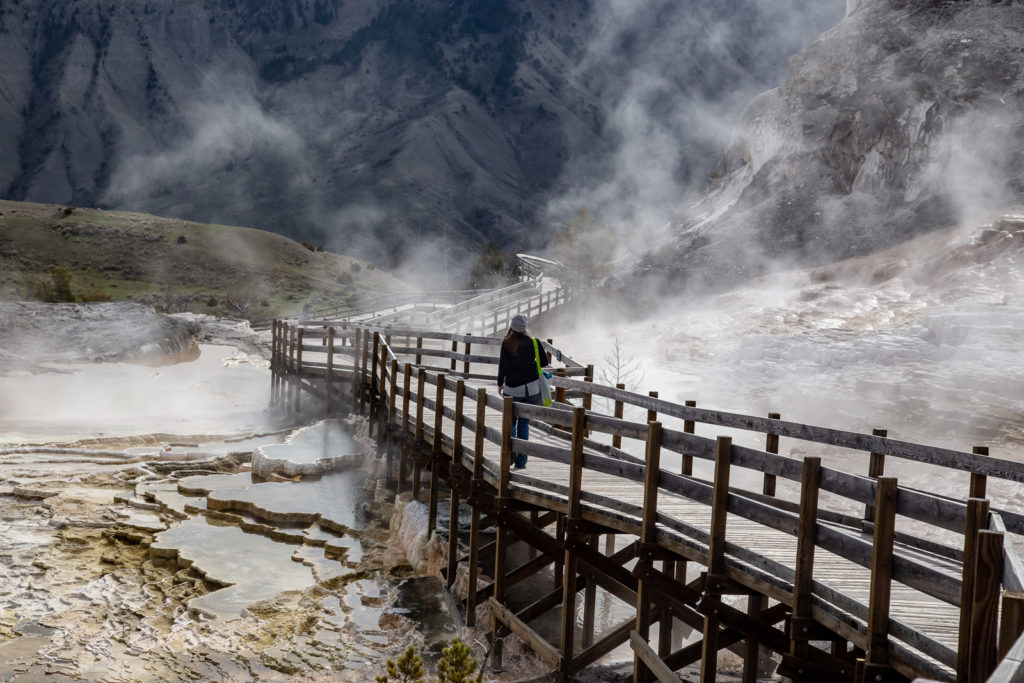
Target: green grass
pixel 173 264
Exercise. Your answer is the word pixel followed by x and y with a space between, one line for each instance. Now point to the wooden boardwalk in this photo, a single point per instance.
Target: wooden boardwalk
pixel 857 597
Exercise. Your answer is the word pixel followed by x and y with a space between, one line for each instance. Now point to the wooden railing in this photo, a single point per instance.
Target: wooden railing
pixel 477 310
pixel 947 554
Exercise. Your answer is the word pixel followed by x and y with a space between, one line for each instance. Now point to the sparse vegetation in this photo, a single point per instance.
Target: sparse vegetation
pixel 95 296
pixel 585 247
pixel 128 256
pixel 55 290
pixel 408 668
pixel 493 268
pixel 620 368
pixel 242 297
pixel 456 665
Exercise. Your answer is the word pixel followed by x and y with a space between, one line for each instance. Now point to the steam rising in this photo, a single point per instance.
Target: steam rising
pixel 226 128
pixel 675 77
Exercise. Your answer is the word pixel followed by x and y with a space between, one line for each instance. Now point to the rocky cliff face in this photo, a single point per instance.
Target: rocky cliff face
pixel 366 125
pixel 904 118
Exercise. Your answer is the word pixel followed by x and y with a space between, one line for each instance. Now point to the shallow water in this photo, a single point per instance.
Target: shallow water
pixel 251 566
pixel 314 449
pixel 223 391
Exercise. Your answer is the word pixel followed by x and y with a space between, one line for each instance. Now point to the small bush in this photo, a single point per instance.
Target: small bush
pixel 211 302
pixel 68 210
pixel 95 296
pixel 408 668
pixel 457 664
pixel 345 279
pixel 61 279
pixel 181 239
pixel 41 291
pixel 265 303
pixel 309 245
pixel 355 267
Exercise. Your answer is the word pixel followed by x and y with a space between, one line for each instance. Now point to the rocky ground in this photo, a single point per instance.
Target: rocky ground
pixel 96 583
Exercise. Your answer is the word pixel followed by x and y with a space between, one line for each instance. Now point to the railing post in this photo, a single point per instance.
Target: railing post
pixel 569 566
pixel 688 428
pixel 419 346
pixel 1011 621
pixel 364 385
pixel 474 526
pixel 716 555
pixel 876 468
pixel 877 651
pixel 435 453
pixel 329 372
pixel 979 482
pixel 652 415
pixel 560 391
pixel 372 385
pixel 756 602
pixel 273 362
pixel 503 534
pixel 406 391
pixel 455 350
pixel 465 364
pixel 807 528
pixel 389 470
pixel 382 391
pixel 289 402
pixel 393 391
pixel 588 397
pixel 617 439
pixel 977 519
pixel 298 370
pixel 988 579
pixel 771 445
pixel 589 597
pixel 421 383
pixel 648 539
pixel 355 369
pixel 454 473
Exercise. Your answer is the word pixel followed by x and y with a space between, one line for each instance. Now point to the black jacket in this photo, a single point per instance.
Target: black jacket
pixel 520 368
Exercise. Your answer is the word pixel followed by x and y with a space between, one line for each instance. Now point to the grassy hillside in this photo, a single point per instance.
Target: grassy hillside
pixel 172 264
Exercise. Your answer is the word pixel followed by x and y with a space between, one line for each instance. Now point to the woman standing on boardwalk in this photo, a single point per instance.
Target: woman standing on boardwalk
pixel 518 376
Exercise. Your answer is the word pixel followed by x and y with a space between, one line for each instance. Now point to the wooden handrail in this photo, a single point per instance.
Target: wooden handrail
pixel 839 534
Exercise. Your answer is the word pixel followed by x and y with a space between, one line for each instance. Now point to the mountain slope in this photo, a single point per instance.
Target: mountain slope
pixel 174 265
pixel 372 126
pixel 903 119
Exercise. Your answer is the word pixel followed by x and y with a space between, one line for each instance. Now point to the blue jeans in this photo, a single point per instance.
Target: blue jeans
pixel 521 425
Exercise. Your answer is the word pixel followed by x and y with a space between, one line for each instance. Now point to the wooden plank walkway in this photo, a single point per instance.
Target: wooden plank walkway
pixel 901 615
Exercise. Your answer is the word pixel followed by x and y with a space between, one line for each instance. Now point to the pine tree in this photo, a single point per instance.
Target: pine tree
pixel 408 669
pixel 457 664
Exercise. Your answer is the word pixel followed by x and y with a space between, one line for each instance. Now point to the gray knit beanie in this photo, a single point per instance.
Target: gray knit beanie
pixel 518 323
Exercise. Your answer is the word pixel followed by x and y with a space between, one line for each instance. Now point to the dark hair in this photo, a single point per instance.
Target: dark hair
pixel 511 341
